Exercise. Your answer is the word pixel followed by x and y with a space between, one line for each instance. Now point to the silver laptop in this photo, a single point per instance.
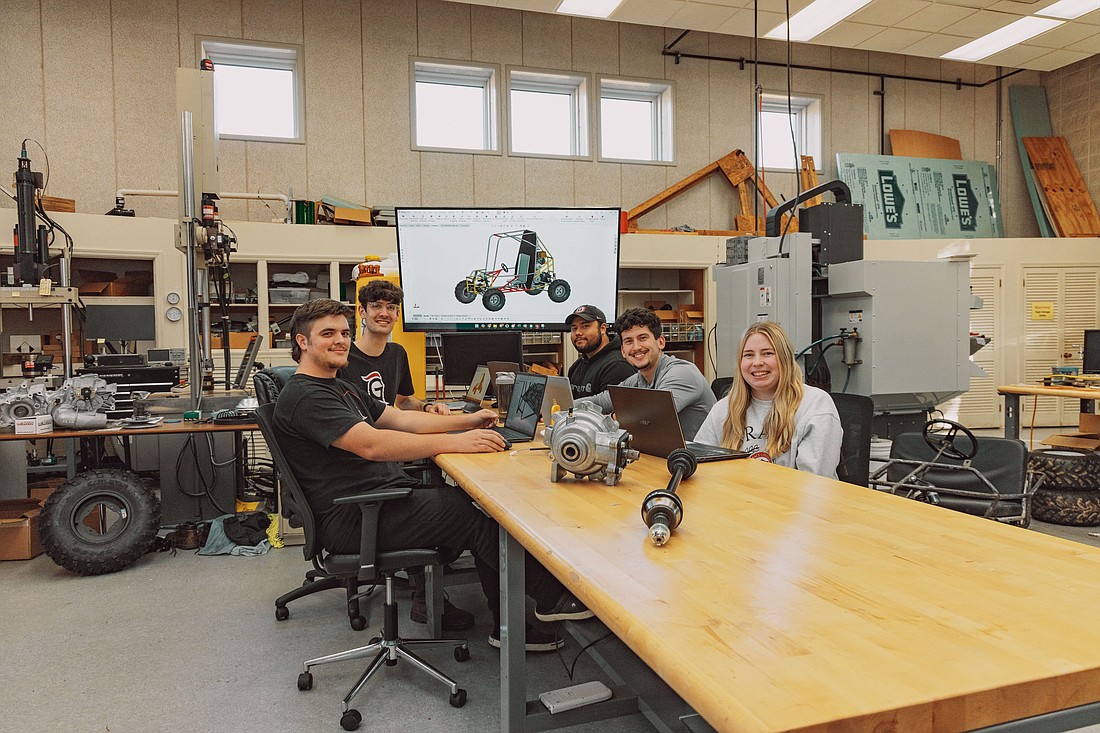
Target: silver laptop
pixel 522 420
pixel 478 386
pixel 649 415
pixel 558 392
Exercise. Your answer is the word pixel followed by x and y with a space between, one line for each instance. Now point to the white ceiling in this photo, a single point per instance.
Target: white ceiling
pixel 914 27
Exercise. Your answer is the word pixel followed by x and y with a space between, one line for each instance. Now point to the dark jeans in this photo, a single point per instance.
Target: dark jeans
pixel 442 515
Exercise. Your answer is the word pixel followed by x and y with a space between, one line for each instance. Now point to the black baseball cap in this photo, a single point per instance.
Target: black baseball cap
pixel 588 313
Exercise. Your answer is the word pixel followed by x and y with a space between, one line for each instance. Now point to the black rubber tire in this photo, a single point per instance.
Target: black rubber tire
pixel 351 720
pixel 493 300
pixel 1070 508
pixel 559 291
pixel 1067 469
pixel 133 513
pixel 463 294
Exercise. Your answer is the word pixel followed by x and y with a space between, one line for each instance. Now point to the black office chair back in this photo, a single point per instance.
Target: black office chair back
pixel 856 412
pixel 721 387
pixel 270 381
pixel 288 482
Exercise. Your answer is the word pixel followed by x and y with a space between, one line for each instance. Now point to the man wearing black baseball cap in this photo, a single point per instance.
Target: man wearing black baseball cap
pixel 601 361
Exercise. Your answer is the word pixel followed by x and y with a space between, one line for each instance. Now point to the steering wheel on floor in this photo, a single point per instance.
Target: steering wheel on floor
pixel 944 442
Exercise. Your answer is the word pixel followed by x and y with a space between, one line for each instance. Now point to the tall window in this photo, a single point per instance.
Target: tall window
pixel 257 89
pixel 786 134
pixel 635 120
pixel 548 113
pixel 454 106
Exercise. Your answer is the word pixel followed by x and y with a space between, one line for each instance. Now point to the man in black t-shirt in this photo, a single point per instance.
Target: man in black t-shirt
pixel 601 361
pixel 340 442
pixel 377 365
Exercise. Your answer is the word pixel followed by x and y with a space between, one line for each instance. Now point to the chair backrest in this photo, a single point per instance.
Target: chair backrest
pixel 856 412
pixel 721 387
pixel 268 382
pixel 1003 461
pixel 288 482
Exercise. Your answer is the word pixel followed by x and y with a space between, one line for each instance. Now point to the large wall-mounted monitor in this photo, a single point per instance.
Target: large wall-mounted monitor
pixel 505 269
pixel 120 322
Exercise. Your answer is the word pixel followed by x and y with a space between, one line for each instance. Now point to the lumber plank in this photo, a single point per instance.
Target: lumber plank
pixel 1071 207
pixel 918 144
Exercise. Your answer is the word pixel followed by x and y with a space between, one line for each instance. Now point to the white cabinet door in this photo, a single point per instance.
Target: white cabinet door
pixel 981 406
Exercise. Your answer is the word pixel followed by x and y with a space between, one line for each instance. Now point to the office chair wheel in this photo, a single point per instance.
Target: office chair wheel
pixel 282 613
pixel 305 681
pixel 358 623
pixel 462 653
pixel 458 699
pixel 946 441
pixel 351 720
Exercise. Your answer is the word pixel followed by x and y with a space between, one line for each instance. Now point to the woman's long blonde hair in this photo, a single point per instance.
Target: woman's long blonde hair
pixel 779 424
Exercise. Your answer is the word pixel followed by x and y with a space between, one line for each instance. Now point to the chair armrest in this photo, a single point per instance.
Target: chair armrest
pixel 369 503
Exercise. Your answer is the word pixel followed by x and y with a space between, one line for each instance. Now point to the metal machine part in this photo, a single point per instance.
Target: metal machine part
pixel 587 443
pixel 662 510
pixel 26 400
pixel 82 403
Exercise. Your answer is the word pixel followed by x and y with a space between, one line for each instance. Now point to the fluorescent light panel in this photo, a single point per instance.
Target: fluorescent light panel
pixel 590 8
pixel 1069 9
pixel 1012 34
pixel 816 18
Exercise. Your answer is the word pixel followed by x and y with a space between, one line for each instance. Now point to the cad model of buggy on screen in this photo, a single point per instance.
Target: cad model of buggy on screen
pixel 532 273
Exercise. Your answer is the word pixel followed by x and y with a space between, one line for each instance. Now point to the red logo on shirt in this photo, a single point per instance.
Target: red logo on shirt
pixel 761 455
pixel 376 388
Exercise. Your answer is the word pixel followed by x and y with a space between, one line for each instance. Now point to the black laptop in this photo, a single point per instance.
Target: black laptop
pixel 649 415
pixel 523 409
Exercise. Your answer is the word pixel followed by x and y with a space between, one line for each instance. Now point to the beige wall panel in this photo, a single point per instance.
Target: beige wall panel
pixel 547 41
pixel 80 130
pixel 233 173
pixel 497 181
pixel 922 99
pixel 279 21
pixel 497 35
pixel 334 109
pixel 145 58
pixel 447 179
pixel 595 46
pixel 443 29
pixel 641 183
pixel 640 51
pixel 853 122
pixel 960 116
pixel 221 18
pixel 275 168
pixel 20 40
pixel 389 39
pixel 548 182
pixel 597 184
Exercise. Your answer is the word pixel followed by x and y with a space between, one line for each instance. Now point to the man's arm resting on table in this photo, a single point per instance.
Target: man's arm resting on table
pixel 412 403
pixel 410 436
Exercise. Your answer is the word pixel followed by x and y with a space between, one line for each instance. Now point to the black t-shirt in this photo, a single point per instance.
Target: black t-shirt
pixel 383 377
pixel 593 374
pixel 310 414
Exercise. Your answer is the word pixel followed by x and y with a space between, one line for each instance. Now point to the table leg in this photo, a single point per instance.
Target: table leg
pixel 1012 416
pixel 513 681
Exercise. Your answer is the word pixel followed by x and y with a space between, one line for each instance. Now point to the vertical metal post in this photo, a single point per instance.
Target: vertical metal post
pixel 513 635
pixel 66 320
pixel 187 231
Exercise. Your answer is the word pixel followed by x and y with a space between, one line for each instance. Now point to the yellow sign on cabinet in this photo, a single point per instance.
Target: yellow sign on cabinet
pixel 1042 311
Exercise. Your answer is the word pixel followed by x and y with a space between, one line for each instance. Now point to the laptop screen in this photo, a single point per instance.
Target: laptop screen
pixel 523 409
pixel 649 415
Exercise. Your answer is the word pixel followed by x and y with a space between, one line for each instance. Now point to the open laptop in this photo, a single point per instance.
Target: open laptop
pixel 523 409
pixel 649 415
pixel 559 391
pixel 478 386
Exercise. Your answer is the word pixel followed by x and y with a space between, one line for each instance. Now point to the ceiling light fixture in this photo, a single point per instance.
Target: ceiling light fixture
pixel 1012 34
pixel 816 18
pixel 589 8
pixel 1069 9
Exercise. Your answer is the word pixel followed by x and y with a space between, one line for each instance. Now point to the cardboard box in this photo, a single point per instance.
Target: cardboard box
pixel 335 214
pixel 237 340
pixel 19 529
pixel 97 282
pixel 41 490
pixel 1088 423
pixel 35 425
pixel 1084 441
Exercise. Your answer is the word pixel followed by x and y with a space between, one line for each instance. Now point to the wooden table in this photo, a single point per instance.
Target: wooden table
pixel 790 602
pixel 1012 393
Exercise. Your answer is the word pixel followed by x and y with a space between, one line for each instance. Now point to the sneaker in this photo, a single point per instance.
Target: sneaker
pixel 537 641
pixel 454 618
pixel 568 608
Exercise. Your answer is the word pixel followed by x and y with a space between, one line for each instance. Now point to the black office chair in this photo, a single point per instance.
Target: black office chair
pixel 986 477
pixel 721 387
pixel 366 566
pixel 855 412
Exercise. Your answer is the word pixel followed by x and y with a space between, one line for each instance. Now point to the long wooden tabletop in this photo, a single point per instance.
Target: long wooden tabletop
pixel 790 602
pixel 116 428
pixel 1079 393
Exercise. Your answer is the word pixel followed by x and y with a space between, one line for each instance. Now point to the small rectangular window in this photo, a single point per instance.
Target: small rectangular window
pixel 257 89
pixel 454 106
pixel 548 113
pixel 787 133
pixel 635 120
